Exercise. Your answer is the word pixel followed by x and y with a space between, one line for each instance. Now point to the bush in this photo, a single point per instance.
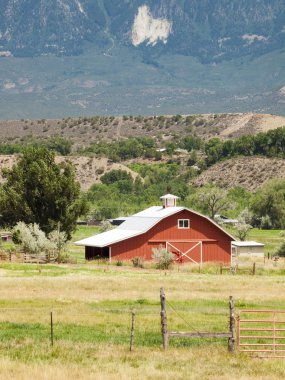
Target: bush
pixel 119 263
pixel 162 257
pixel 105 225
pixel 266 223
pixel 66 259
pixel 138 262
pixel 280 250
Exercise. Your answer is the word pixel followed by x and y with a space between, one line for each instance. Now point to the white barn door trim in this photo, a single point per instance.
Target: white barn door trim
pixel 185 254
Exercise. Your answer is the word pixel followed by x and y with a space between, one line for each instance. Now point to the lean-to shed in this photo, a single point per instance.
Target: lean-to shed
pixel 247 249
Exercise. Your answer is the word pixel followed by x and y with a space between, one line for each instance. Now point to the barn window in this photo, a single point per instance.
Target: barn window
pixel 183 223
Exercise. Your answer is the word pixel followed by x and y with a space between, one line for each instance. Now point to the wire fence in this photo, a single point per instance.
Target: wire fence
pixel 105 324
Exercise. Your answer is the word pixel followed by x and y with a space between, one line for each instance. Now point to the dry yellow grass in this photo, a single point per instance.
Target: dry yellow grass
pixel 131 285
pixel 116 363
pixel 28 296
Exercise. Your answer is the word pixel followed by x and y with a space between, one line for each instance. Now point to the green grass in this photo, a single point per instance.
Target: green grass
pixel 271 238
pixel 92 318
pixel 82 232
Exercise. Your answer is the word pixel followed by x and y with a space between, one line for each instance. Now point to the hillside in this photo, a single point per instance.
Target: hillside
pixel 247 172
pixel 83 131
pixel 88 169
pixel 126 81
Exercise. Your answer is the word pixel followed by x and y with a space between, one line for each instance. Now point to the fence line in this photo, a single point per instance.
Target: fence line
pixel 231 335
pixel 259 331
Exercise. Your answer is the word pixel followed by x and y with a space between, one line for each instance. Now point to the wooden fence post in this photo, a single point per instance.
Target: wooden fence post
pixel 253 269
pixel 164 331
pixel 51 329
pixel 232 340
pixel 133 328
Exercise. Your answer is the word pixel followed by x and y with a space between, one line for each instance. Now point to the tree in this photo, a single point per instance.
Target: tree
pixel 242 229
pixel 115 176
pixel 268 205
pixel 211 200
pixel 37 190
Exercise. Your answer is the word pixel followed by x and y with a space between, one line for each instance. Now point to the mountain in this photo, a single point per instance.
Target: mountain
pixel 206 29
pixel 74 57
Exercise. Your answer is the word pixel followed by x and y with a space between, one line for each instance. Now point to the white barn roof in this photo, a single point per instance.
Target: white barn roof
pixel 135 225
pixel 247 244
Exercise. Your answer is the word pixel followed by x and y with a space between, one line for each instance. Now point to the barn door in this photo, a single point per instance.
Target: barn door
pixel 186 251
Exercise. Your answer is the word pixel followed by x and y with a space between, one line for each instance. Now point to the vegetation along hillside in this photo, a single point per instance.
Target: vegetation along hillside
pixel 125 164
pixel 85 130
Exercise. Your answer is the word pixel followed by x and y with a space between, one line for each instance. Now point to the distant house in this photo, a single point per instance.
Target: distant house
pixel 6 236
pixel 161 150
pixel 226 220
pixel 191 236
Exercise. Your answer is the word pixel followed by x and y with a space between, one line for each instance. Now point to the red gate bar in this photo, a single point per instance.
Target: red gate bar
pixel 271 349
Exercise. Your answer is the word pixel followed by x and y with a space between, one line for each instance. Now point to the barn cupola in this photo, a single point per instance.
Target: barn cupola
pixel 169 200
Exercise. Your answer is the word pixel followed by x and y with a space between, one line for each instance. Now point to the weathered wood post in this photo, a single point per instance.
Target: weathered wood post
pixel 133 328
pixel 253 269
pixel 163 315
pixel 232 340
pixel 51 329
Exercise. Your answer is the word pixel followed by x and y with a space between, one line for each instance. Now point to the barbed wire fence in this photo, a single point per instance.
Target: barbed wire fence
pixel 112 325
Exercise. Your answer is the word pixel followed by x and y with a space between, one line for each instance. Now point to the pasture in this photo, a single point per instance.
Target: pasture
pixel 92 305
pixel 91 310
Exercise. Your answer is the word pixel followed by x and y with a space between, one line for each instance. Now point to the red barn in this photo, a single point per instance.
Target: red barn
pixel 191 236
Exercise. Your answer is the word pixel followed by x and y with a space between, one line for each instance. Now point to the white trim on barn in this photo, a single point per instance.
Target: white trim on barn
pixel 186 253
pixel 185 225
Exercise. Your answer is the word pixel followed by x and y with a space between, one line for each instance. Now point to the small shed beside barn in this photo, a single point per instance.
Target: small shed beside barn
pixel 247 249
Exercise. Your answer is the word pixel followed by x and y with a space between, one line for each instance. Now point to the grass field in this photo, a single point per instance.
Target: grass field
pixel 91 311
pixel 92 305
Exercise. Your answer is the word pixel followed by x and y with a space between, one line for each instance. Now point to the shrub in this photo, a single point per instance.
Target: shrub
pixel 119 263
pixel 138 262
pixel 265 223
pixel 66 259
pixel 31 238
pixel 162 257
pixel 280 250
pixel 105 225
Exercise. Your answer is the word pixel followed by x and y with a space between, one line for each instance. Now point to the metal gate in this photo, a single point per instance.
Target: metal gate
pixel 262 332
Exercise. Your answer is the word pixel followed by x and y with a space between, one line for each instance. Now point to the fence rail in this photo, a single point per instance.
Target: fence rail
pixel 231 334
pixel 28 258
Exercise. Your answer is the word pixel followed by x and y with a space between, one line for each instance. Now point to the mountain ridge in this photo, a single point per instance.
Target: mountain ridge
pixel 84 57
pixel 82 131
pixel 208 30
